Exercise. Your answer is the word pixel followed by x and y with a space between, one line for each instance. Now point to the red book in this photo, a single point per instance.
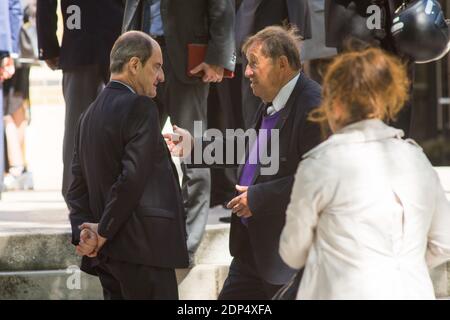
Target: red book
pixel 196 55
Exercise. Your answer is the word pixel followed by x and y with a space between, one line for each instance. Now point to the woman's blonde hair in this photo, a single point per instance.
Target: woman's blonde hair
pixel 367 84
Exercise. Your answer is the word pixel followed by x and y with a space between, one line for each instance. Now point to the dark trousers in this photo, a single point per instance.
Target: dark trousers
pixel 244 283
pixel 80 88
pixel 185 103
pixel 225 112
pixel 126 281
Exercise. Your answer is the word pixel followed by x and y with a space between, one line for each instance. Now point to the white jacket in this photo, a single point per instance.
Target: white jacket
pixel 368 216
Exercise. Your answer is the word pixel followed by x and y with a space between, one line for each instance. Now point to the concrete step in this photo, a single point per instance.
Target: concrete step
pixel 203 282
pixel 53 251
pixel 44 266
pixel 27 252
pixel 70 284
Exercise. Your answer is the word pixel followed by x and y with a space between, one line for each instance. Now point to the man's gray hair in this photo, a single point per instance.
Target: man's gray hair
pixel 128 45
pixel 276 42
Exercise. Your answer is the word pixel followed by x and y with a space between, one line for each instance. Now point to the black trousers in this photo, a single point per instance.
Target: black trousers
pixel 244 283
pixel 126 281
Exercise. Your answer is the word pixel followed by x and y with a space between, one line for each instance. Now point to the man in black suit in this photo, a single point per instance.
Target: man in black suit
pixel 90 29
pixel 226 101
pixel 125 195
pixel 274 70
pixel 175 24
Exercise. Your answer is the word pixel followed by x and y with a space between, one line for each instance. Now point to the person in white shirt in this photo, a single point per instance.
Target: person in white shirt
pixel 368 216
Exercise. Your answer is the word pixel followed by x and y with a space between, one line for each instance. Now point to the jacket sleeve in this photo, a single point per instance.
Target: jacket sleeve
pixel 141 132
pixel 271 197
pixel 310 196
pixel 46 24
pixel 77 196
pixel 221 45
pixel 300 15
pixel 438 250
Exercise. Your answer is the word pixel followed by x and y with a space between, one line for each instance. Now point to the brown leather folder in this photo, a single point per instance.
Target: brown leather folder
pixel 196 55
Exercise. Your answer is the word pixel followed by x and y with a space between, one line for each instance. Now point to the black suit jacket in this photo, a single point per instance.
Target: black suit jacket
pixel 347 18
pixel 100 27
pixel 125 180
pixel 269 195
pixel 191 21
pixel 275 12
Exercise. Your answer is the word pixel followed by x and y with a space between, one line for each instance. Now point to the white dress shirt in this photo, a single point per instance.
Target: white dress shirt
pixel 283 96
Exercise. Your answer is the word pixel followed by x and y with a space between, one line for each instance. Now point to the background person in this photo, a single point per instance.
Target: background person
pixel 17 105
pixel 90 29
pixel 11 16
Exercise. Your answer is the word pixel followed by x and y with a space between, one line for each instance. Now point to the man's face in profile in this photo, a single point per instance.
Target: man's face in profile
pixel 263 74
pixel 151 74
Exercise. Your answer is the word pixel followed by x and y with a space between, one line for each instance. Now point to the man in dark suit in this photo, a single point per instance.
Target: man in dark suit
pixel 274 70
pixel 90 29
pixel 175 24
pixel 125 195
pixel 225 105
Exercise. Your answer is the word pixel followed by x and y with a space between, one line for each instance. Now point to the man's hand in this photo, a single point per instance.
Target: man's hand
pixel 6 68
pixel 211 73
pixel 88 243
pixel 180 142
pixel 100 240
pixel 53 63
pixel 239 204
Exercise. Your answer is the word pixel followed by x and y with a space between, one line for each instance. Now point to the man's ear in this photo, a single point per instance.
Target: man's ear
pixel 283 62
pixel 133 65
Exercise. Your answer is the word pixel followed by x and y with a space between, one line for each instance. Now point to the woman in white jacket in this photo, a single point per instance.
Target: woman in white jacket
pixel 368 216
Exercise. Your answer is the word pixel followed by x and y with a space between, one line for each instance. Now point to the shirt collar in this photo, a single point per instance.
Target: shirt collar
pixel 283 95
pixel 124 84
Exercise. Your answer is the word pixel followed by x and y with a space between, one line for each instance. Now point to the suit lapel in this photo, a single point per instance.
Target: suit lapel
pixel 131 9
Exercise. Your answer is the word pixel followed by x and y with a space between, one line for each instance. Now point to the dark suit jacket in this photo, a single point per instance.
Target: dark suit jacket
pixel 124 179
pixel 194 21
pixel 344 18
pixel 100 27
pixel 274 12
pixel 269 195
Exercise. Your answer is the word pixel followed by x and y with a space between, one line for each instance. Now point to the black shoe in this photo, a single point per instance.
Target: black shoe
pixel 226 219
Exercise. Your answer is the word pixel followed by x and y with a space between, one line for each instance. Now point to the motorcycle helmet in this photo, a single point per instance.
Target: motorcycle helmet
pixel 420 31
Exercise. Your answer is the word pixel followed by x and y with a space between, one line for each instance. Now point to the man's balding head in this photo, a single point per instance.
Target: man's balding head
pixel 136 60
pixel 131 44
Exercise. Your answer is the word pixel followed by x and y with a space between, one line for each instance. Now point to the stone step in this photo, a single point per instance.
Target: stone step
pixel 203 282
pixel 53 251
pixel 44 266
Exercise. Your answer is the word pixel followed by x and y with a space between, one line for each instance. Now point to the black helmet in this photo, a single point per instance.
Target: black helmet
pixel 420 31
